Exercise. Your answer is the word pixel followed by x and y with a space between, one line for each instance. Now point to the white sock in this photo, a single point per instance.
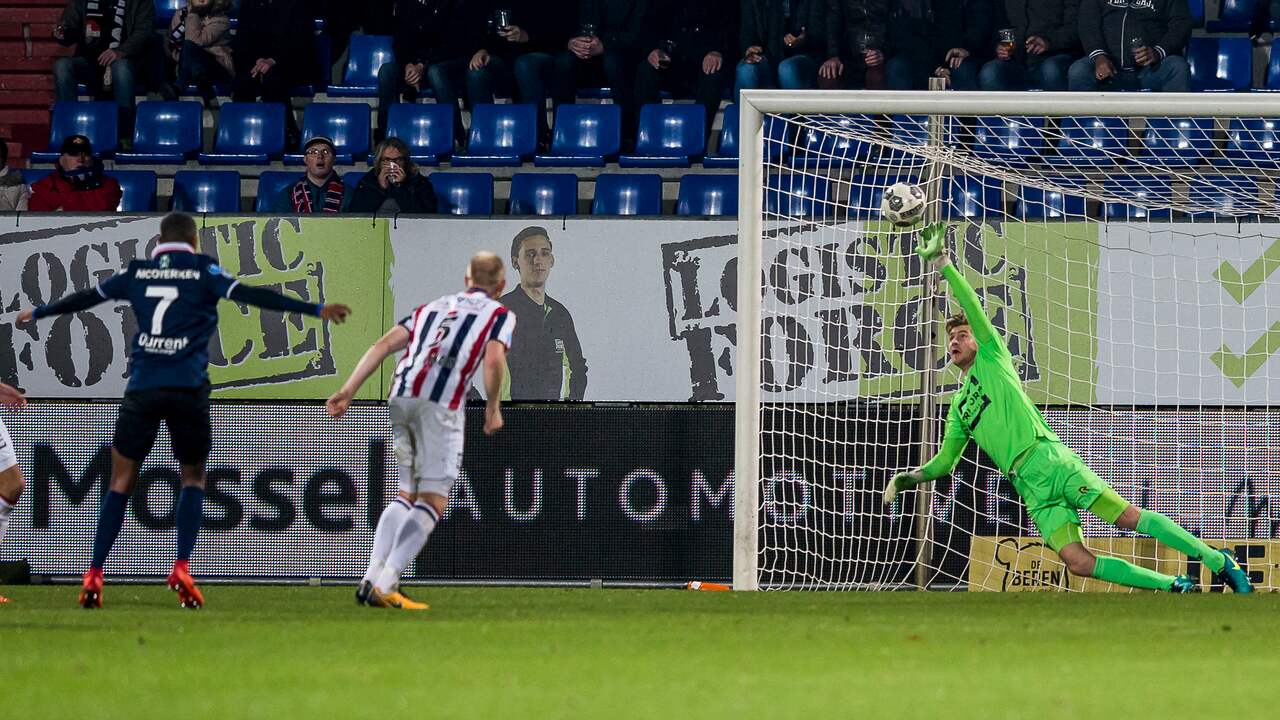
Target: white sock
pixel 409 542
pixel 384 538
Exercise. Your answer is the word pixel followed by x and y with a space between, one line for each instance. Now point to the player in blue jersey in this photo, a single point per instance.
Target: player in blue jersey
pixel 175 297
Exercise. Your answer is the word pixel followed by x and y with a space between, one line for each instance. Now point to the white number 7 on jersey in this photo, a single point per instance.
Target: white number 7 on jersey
pixel 167 294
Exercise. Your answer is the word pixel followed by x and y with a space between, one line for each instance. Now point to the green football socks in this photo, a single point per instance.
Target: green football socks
pixel 1123 572
pixel 1170 533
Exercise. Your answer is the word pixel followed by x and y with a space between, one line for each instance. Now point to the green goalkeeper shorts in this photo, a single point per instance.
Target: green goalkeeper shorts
pixel 1055 484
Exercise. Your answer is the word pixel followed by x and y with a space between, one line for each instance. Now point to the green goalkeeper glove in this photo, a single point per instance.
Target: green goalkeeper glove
pixel 932 241
pixel 901 481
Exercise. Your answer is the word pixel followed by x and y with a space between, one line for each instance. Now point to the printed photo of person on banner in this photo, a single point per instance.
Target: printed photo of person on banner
pixel 546 360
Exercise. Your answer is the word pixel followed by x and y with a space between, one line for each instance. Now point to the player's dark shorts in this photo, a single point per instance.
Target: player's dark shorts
pixel 185 411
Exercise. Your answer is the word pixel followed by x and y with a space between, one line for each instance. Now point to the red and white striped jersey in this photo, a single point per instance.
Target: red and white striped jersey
pixel 447 340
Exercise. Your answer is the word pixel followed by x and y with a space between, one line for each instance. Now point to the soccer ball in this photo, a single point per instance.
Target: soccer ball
pixel 902 204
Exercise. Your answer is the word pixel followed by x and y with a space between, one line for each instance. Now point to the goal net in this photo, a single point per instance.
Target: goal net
pixel 1129 260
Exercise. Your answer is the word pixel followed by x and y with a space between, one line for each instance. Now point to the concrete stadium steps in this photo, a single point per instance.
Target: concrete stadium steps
pixel 27 53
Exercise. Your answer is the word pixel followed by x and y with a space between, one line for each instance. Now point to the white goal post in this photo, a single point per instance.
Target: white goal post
pixel 1126 246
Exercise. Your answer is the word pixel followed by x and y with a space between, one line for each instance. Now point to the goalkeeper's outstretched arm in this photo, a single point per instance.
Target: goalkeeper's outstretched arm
pixel 932 248
pixel 940 465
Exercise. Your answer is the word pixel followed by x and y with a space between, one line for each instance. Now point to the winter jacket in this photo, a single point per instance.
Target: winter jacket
pixel 619 23
pixel 1107 26
pixel 55 192
pixel 283 30
pixel 763 25
pixel 848 19
pixel 946 24
pixel 14 192
pixel 549 23
pixel 414 195
pixel 697 28
pixel 211 32
pixel 432 31
pixel 139 22
pixel 1057 21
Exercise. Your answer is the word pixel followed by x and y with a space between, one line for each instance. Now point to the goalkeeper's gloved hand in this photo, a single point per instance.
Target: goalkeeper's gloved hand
pixel 901 481
pixel 932 242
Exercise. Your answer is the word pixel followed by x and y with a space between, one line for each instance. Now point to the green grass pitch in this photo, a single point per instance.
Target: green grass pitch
pixel 286 652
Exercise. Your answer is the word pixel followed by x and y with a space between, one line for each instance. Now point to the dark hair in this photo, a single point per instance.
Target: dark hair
pixel 4 151
pixel 178 227
pixel 525 234
pixel 956 321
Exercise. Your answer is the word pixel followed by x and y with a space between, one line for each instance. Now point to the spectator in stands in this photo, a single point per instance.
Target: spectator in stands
pixel 274 51
pixel 111 39
pixel 14 192
pixel 1043 40
pixel 687 44
pixel 855 45
pixel 604 51
pixel 320 189
pixel 435 42
pixel 199 42
pixel 393 184
pixel 1139 45
pixel 535 31
pixel 779 41
pixel 76 183
pixel 938 38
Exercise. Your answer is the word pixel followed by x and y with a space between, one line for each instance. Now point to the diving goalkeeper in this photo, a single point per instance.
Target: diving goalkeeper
pixel 992 408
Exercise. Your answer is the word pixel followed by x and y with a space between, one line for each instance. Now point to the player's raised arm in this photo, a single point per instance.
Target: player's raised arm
pixel 115 287
pixel 932 248
pixel 272 300
pixel 393 341
pixel 940 465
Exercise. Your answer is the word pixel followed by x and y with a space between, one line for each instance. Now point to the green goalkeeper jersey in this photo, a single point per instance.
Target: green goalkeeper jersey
pixel 991 406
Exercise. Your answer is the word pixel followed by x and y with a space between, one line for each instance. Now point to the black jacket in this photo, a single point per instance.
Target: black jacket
pixel 138 31
pixel 1057 21
pixel 762 24
pixel 946 24
pixel 697 27
pixel 619 23
pixel 1106 26
pixel 414 196
pixel 544 348
pixel 432 31
pixel 280 29
pixel 550 24
pixel 848 19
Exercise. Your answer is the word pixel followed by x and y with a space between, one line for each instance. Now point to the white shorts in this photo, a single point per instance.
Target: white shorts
pixel 428 444
pixel 7 456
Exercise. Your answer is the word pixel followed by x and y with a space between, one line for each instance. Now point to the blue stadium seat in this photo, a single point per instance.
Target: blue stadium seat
pixel 138 190
pixel 972 197
pixel 1009 140
pixel 351 179
pixel 544 194
pixel 706 194
pixel 31 176
pixel 1220 64
pixel 798 196
pixel 1233 16
pixel 365 55
pixel 866 192
pixel 1178 141
pixel 501 136
pixel 909 130
pixel 726 152
pixel 94 120
pixel 1272 81
pixel 668 136
pixel 1224 197
pixel 826 144
pixel 427 128
pixel 347 124
pixel 627 194
pixel 1036 203
pixel 1252 142
pixel 206 191
pixel 1196 9
pixel 249 133
pixel 586 135
pixel 1091 141
pixel 165 10
pixel 1146 197
pixel 164 133
pixel 463 193
pixel 270 184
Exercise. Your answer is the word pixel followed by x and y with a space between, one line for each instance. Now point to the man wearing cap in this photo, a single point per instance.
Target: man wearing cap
pixel 320 190
pixel 111 38
pixel 77 183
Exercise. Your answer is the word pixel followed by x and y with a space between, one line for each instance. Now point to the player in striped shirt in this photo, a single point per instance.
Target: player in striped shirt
pixel 442 345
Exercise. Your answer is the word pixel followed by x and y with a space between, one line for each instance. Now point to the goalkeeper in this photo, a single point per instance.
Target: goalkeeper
pixel 1055 484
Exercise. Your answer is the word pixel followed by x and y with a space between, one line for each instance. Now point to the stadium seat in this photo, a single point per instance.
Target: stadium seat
pixel 427 128
pixel 1008 140
pixel 31 176
pixel 668 136
pixel 1224 197
pixel 1272 82
pixel 1196 9
pixel 1036 203
pixel 270 184
pixel 627 194
pixel 501 136
pixel 206 191
pixel 544 194
pixel 726 152
pixel 1148 198
pixel 1220 64
pixel 249 133
pixel 165 10
pixel 463 193
pixel 909 130
pixel 827 144
pixel 798 196
pixel 94 120
pixel 866 192
pixel 972 197
pixel 586 135
pixel 1178 141
pixel 138 190
pixel 706 194
pixel 1091 141
pixel 365 56
pixel 347 124
pixel 1252 142
pixel 164 133
pixel 1233 16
